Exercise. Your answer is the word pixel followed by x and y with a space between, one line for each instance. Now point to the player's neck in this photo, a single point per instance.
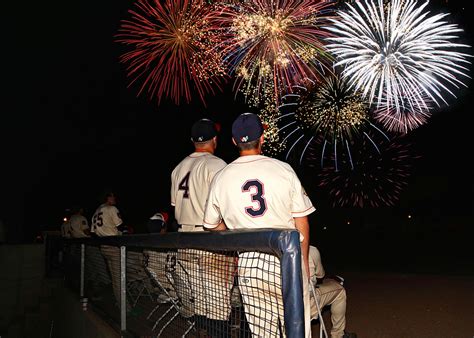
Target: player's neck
pixel 250 152
pixel 204 150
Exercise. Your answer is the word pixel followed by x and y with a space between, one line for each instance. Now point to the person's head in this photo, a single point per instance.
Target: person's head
pixel 77 210
pixel 204 135
pixel 110 198
pixel 247 133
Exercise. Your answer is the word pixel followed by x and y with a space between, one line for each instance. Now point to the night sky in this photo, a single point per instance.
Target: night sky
pixel 71 128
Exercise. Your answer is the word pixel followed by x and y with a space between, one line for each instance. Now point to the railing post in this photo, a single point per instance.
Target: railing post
pixel 123 290
pixel 83 265
pixel 83 255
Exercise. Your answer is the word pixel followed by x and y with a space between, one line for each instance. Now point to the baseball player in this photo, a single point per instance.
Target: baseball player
pixel 79 227
pixel 191 178
pixel 65 226
pixel 190 181
pixel 256 191
pixel 66 229
pixel 106 221
pixel 329 292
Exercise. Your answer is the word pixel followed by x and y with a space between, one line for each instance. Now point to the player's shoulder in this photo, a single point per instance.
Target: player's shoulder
pixel 111 208
pixel 108 208
pixel 278 163
pixel 215 160
pixel 181 163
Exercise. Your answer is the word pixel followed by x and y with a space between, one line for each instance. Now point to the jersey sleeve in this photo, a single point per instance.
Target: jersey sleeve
pixel 215 164
pixel 302 205
pixel 212 211
pixel 115 216
pixel 315 265
pixel 173 188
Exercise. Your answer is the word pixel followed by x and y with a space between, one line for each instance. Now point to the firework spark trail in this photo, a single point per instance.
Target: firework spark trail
pixel 405 118
pixel 399 57
pixel 173 48
pixel 329 112
pixel 271 45
pixel 377 179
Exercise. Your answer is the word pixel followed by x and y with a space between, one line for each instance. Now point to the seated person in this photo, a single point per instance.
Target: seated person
pixel 157 223
pixel 329 292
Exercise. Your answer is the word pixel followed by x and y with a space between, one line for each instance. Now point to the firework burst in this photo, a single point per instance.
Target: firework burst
pixel 377 178
pixel 269 116
pixel 270 44
pixel 402 59
pixel 173 48
pixel 403 119
pixel 330 114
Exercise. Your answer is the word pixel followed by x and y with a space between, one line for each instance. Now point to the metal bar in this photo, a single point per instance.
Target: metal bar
pixel 230 240
pixel 123 290
pixel 83 255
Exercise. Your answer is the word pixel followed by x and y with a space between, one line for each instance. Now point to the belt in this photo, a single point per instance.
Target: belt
pixel 196 226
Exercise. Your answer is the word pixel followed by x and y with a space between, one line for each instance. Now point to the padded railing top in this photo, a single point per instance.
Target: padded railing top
pixel 270 240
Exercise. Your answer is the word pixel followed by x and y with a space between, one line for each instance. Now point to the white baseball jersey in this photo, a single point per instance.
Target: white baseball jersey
pixel 190 181
pixel 66 230
pixel 256 191
pixel 316 268
pixel 105 221
pixel 78 224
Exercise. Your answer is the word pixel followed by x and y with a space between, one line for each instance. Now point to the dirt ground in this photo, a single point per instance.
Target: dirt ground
pixel 384 305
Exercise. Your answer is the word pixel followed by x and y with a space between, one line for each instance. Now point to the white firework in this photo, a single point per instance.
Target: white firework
pixel 399 57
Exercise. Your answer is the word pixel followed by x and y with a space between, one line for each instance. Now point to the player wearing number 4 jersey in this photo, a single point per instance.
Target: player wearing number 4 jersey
pixel 256 191
pixel 191 178
pixel 211 274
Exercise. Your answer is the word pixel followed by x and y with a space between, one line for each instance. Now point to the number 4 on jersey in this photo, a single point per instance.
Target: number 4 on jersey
pixel 184 185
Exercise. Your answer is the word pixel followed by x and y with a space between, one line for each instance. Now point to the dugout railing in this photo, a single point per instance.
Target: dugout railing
pixel 201 284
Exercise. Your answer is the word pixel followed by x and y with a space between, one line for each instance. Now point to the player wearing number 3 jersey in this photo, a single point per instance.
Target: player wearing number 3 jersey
pixel 257 191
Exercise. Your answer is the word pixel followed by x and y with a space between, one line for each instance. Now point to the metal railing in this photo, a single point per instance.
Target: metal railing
pixel 225 284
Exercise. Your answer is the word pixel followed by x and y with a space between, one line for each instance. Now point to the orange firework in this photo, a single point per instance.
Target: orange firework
pixel 272 45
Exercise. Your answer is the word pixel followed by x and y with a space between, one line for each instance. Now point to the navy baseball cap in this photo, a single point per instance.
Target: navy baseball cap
pixel 203 130
pixel 247 127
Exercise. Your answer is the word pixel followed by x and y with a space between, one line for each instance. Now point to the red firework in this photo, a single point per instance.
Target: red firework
pixel 174 48
pixel 378 176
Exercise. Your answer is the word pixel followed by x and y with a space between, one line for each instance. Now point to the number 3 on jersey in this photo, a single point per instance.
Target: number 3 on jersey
pixel 184 185
pixel 256 197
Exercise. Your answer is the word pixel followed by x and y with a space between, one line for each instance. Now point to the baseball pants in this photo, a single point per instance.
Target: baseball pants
pixel 156 265
pixel 330 292
pixel 112 256
pixel 211 278
pixel 260 288
pixel 96 268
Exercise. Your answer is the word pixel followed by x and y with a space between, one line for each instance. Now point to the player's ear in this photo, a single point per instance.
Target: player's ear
pixel 233 141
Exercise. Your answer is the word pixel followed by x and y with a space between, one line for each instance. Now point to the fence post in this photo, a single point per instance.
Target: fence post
pixel 83 255
pixel 83 261
pixel 123 291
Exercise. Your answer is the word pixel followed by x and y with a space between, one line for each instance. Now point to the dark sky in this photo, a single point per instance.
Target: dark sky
pixel 71 128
